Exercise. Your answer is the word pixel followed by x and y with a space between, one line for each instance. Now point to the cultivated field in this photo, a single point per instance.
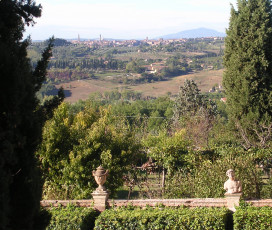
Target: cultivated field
pixel 81 89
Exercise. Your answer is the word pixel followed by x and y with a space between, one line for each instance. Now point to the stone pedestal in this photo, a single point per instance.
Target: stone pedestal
pixel 100 200
pixel 232 200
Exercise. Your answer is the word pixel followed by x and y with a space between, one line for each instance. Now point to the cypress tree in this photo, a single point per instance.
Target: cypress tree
pixel 248 71
pixel 21 118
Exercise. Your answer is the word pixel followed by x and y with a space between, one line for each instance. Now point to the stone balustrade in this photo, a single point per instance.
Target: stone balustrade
pixel 189 202
pixel 100 197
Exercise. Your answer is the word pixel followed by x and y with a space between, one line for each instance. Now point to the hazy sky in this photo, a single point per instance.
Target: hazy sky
pixel 126 19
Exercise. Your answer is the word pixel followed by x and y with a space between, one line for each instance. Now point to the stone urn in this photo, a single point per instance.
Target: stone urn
pixel 100 176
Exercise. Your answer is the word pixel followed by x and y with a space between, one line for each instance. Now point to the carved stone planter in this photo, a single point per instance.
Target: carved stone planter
pixel 100 195
pixel 100 176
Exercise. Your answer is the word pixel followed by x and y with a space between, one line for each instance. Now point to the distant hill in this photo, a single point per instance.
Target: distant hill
pixel 195 33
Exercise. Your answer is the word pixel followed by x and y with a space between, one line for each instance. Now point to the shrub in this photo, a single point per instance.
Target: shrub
pixel 253 218
pixel 72 218
pixel 207 174
pixel 266 192
pixel 163 218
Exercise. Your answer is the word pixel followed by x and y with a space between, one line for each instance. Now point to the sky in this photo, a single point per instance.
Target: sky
pixel 127 19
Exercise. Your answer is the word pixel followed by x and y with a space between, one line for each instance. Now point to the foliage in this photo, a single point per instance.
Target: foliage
pixel 143 115
pixel 154 114
pixel 253 218
pixel 266 192
pixel 144 182
pixel 134 67
pixel 189 100
pixel 205 175
pixel 194 112
pixel 75 144
pixel 61 42
pixel 163 218
pixel 21 118
pixel 72 218
pixel 168 151
pixel 47 89
pixel 247 78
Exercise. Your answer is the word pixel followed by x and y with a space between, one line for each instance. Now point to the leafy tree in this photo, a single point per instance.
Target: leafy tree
pixel 21 118
pixel 168 151
pixel 134 67
pixel 247 78
pixel 76 144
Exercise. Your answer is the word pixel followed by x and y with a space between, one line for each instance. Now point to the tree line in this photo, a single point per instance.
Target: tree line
pixel 93 64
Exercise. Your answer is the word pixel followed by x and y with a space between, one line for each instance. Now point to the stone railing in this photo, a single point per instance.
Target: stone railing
pixel 196 202
pixel 100 198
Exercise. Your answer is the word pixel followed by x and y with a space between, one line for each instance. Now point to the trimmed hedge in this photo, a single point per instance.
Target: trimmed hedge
pixel 163 218
pixel 72 218
pixel 249 218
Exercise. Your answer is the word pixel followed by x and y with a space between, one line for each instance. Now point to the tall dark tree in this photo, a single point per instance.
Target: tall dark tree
pixel 248 71
pixel 21 118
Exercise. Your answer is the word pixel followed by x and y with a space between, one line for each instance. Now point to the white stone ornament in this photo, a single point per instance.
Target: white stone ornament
pixel 232 185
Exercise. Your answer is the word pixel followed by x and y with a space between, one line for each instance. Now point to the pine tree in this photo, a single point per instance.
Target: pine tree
pixel 21 118
pixel 189 100
pixel 248 71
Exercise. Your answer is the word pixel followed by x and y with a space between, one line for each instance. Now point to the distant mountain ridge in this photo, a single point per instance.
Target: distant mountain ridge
pixel 194 33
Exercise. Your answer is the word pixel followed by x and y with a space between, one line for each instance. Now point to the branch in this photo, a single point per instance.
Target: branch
pixel 244 135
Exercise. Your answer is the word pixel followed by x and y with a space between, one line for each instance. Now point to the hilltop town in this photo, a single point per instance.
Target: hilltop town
pixel 133 42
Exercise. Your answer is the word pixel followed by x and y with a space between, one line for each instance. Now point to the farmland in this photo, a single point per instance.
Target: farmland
pixel 151 68
pixel 81 89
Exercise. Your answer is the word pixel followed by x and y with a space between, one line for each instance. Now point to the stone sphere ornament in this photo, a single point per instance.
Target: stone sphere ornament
pixel 100 176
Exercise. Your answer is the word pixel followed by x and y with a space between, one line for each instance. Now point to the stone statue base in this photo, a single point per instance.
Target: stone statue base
pixel 100 200
pixel 233 200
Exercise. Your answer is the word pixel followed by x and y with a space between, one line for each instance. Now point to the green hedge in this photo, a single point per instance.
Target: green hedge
pixel 72 218
pixel 249 218
pixel 163 218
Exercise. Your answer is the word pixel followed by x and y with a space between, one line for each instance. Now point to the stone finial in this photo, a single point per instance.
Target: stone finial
pixel 232 185
pixel 100 176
